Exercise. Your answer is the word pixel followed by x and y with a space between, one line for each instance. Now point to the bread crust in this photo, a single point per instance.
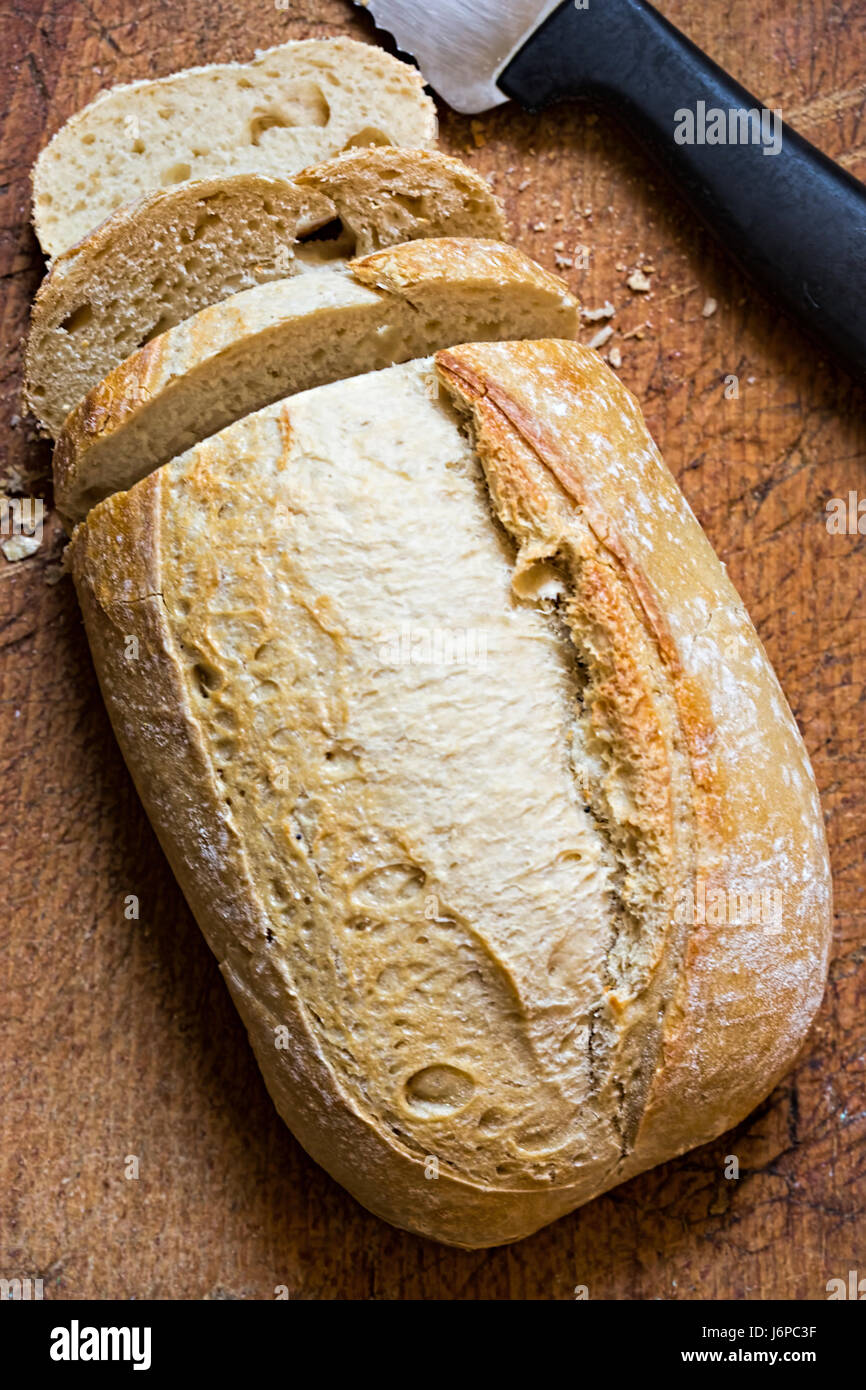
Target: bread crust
pixel 700 1018
pixel 433 277
pixel 743 993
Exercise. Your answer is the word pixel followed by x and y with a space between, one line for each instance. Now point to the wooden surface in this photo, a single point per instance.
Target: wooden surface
pixel 120 1037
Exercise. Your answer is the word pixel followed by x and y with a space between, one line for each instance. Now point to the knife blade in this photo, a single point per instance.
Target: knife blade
pixel 789 216
pixel 461 46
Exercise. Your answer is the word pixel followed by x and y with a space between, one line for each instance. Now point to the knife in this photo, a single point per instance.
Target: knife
pixel 789 216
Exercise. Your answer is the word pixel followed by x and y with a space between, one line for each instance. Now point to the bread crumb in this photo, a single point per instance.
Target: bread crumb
pixel 606 311
pixel 638 282
pixel 710 307
pixel 19 547
pixel 601 337
pixel 523 185
pixel 614 357
pixel 539 226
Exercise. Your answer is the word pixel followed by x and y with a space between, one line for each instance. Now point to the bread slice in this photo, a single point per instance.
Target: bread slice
pixel 152 265
pixel 291 106
pixel 275 340
pixel 401 195
pixel 475 775
pixel 385 196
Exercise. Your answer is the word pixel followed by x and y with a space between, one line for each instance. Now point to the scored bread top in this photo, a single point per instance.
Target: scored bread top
pixel 272 341
pixel 553 428
pixel 451 877
pixel 151 265
pixel 291 106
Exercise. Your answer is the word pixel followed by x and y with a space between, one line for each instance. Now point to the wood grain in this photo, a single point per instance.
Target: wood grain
pixel 120 1038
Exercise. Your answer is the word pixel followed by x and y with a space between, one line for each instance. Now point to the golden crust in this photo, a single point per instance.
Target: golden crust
pixel 701 1016
pixel 417 266
pixel 744 993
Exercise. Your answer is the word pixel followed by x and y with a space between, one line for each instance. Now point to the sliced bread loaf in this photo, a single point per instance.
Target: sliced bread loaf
pixel 445 725
pixel 291 106
pixel 154 264
pixel 278 339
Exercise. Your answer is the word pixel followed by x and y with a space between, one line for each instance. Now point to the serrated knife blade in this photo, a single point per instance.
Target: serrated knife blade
pixel 461 46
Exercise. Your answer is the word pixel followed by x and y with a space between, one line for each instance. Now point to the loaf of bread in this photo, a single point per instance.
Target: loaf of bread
pixel 153 264
pixel 272 341
pixel 291 106
pixel 476 776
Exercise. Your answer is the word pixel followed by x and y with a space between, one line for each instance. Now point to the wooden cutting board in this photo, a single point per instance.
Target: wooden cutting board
pixel 120 1038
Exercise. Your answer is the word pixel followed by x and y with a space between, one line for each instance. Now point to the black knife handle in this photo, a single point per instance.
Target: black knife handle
pixel 794 220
